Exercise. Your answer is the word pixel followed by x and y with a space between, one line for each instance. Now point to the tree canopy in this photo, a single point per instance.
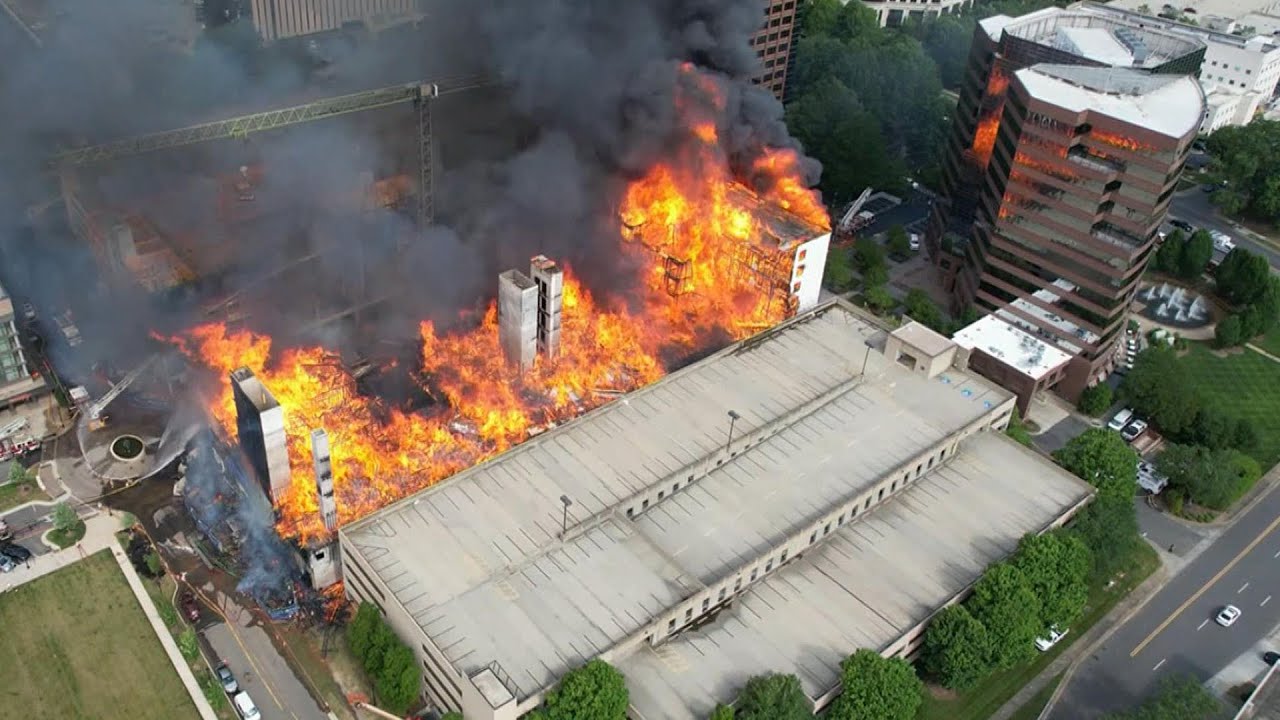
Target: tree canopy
pixel 957 650
pixel 1104 459
pixel 1004 603
pixel 1056 567
pixel 921 308
pixel 595 691
pixel 1160 388
pixel 1195 255
pixel 1246 157
pixel 722 712
pixel 388 662
pixel 773 697
pixel 876 687
pixel 1212 478
pixel 1109 527
pixel 1242 276
pixel 1095 399
pixel 1168 257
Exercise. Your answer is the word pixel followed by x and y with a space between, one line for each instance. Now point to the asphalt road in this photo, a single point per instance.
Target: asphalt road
pixel 1175 632
pixel 1193 206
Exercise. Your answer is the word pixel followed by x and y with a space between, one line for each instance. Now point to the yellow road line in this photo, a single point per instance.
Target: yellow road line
pixel 1205 588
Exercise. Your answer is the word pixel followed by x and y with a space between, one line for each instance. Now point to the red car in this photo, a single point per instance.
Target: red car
pixel 189 606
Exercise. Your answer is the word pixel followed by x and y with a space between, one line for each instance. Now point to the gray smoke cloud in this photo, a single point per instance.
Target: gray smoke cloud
pixel 586 100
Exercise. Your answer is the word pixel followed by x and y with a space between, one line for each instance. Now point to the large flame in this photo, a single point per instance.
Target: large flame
pixel 713 273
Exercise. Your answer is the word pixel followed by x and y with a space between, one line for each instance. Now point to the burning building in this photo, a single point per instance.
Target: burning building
pixel 529 312
pixel 260 428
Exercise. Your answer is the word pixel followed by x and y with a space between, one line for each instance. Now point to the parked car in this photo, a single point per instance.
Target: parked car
pixel 245 707
pixel 1270 657
pixel 1228 616
pixel 229 684
pixel 190 608
pixel 1222 241
pixel 1134 430
pixel 1182 225
pixel 6 565
pixel 914 242
pixel 1044 643
pixel 1121 419
pixel 16 552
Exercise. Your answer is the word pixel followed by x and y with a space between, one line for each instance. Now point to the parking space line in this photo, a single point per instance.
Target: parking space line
pixel 1242 587
pixel 1265 600
pixel 1201 626
pixel 1277 555
pixel 1157 667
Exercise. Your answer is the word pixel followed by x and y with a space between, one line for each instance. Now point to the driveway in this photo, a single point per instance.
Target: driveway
pixel 1054 437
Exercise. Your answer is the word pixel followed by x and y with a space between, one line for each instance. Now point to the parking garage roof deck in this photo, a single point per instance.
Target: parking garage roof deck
pixel 872 582
pixel 478 560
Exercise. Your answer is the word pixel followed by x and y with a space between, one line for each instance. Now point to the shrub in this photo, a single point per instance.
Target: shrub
pixel 1095 400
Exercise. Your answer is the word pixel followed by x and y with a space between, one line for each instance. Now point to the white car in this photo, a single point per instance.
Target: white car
pixel 1228 616
pixel 914 242
pixel 1044 643
pixel 1121 419
pixel 246 708
pixel 1133 430
pixel 1222 241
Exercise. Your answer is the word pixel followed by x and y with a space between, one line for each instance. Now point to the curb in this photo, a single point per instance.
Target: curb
pixel 1159 579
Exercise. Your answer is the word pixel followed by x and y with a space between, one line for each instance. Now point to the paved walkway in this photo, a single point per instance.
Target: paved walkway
pixel 99 535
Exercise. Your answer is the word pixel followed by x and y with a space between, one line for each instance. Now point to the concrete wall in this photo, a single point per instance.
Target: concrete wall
pixel 807 267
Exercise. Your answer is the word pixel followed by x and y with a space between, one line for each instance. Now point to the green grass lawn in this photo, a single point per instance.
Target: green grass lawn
pixel 19 493
pixel 980 702
pixel 1270 342
pixel 76 645
pixel 1242 385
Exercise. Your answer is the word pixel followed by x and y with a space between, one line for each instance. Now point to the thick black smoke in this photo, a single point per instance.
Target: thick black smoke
pixel 586 99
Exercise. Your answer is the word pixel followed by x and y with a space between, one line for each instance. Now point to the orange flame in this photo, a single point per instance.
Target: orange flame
pixel 984 138
pixel 713 272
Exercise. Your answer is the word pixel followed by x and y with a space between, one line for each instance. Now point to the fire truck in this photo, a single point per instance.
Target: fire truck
pixel 16 440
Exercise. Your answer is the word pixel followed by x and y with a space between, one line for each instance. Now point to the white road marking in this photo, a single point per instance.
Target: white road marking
pixel 1201 627
pixel 1157 667
pixel 1265 600
pixel 1277 555
pixel 1242 587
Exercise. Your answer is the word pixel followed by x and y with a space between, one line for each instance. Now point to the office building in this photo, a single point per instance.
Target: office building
pixel 1239 72
pixel 775 44
pixel 1081 173
pixel 18 383
pixel 824 486
pixel 1012 358
pixel 280 19
pixel 896 12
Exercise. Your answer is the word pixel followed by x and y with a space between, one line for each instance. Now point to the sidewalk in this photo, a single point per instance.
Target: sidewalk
pixel 100 534
pixel 1082 647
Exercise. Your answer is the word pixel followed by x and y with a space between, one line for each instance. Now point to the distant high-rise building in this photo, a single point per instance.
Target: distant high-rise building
pixel 280 19
pixel 1079 179
pixel 775 43
pixel 17 382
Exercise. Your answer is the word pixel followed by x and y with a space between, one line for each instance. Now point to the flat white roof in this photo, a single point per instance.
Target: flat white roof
pixel 1224 8
pixel 1030 355
pixel 500 585
pixel 1170 105
pixel 1095 43
pixel 872 581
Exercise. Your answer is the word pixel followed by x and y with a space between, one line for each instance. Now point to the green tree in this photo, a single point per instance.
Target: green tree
pixel 831 18
pixel 398 681
pixel 838 273
pixel 1241 277
pixel 833 126
pixel 1003 602
pixel 1212 478
pixel 772 697
pixel 1160 388
pixel 1169 256
pixel 1101 457
pixel 898 243
pixel 1056 566
pixel 381 642
pixel 878 298
pixel 1244 437
pixel 956 650
pixel 595 691
pixel 1228 333
pixel 154 566
pixel 722 712
pixel 1095 399
pixel 1109 527
pixel 1245 157
pixel 921 308
pixel 1195 255
pixel 17 473
pixel 1213 429
pixel 362 629
pixel 868 255
pixel 64 517
pixel 1175 698
pixel 872 686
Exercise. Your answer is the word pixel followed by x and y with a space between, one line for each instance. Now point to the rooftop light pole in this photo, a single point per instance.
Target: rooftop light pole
pixel 564 519
pixel 733 418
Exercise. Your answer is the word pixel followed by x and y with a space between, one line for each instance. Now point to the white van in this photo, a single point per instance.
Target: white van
pixel 246 708
pixel 1121 419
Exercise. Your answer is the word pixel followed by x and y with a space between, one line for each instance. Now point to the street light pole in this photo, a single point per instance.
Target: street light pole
pixel 564 519
pixel 733 418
